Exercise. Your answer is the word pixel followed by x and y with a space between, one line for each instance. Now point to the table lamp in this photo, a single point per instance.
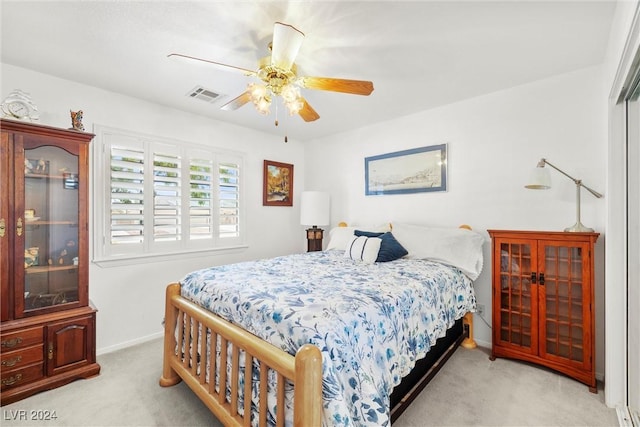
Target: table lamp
pixel 314 211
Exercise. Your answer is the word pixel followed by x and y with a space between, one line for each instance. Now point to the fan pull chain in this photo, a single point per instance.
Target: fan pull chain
pixel 276 122
pixel 285 136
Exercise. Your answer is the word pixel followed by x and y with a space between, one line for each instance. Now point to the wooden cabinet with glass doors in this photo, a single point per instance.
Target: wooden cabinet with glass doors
pixel 48 326
pixel 543 300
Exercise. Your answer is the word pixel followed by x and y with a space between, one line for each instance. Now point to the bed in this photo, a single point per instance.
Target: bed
pixel 336 337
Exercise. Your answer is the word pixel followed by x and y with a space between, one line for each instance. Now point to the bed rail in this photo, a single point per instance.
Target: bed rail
pixel 194 325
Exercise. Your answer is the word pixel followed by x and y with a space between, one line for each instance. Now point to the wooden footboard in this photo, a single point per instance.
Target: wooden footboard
pixel 186 358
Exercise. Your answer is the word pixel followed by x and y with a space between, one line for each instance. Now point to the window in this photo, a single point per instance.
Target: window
pixel 157 197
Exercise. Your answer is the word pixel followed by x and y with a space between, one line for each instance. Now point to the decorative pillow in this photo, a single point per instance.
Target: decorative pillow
pixel 364 249
pixel 340 236
pixel 390 248
pixel 368 233
pixel 454 246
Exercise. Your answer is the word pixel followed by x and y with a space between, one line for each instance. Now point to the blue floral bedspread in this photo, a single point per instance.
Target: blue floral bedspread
pixel 371 321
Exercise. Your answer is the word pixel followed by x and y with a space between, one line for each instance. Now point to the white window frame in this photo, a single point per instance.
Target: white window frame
pixel 105 253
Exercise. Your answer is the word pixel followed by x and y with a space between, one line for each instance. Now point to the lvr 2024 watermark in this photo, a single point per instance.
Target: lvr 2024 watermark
pixel 28 415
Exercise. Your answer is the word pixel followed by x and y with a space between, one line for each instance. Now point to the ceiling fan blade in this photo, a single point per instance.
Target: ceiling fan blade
pixel 193 58
pixel 357 87
pixel 285 46
pixel 237 102
pixel 307 113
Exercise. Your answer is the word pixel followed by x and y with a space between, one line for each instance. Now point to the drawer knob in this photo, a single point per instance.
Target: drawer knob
pixel 11 362
pixel 12 380
pixel 11 343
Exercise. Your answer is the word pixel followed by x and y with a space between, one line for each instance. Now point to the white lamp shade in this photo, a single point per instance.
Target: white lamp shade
pixel 314 208
pixel 540 179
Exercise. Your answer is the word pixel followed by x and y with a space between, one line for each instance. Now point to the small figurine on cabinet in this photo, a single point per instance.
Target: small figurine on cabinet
pixel 41 167
pixel 30 257
pixel 65 255
pixel 76 120
pixel 28 167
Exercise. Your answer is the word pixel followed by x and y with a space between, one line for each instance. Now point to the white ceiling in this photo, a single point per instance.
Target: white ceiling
pixel 419 54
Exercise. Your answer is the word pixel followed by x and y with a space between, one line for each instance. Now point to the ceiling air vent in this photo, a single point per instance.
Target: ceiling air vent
pixel 206 95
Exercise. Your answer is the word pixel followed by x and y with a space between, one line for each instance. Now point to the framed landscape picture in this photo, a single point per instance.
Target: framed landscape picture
pixel 278 184
pixel 417 170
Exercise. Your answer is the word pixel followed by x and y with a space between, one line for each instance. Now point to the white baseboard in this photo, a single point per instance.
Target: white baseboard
pixel 624 417
pixel 126 344
pixel 484 344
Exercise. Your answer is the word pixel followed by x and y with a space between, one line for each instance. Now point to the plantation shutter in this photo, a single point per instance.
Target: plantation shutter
pixel 201 179
pixel 229 199
pixel 167 204
pixel 127 193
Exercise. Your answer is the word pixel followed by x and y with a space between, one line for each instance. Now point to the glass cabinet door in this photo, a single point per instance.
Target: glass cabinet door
pixel 564 320
pixel 50 229
pixel 518 310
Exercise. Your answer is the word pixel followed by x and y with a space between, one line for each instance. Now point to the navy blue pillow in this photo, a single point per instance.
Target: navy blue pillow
pixel 390 248
pixel 368 233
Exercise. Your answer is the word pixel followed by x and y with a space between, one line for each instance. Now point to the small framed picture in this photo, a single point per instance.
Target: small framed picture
pixel 277 184
pixel 36 167
pixel 29 213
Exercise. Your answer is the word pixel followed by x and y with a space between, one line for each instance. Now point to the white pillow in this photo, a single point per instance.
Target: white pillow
pixel 458 247
pixel 365 249
pixel 340 236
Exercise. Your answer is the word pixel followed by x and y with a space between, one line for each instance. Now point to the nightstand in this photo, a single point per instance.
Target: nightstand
pixel 314 239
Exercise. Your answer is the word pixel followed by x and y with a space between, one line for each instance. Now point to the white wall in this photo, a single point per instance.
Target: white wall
pixel 130 299
pixel 493 143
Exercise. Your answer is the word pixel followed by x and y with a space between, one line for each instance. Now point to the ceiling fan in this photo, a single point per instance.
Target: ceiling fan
pixel 278 75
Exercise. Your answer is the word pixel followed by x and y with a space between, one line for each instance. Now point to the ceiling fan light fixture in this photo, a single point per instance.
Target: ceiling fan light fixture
pixel 263 105
pixel 260 97
pixel 290 93
pixel 294 106
pixel 257 91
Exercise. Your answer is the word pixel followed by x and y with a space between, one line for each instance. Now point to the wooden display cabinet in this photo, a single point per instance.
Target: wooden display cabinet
pixel 48 326
pixel 543 300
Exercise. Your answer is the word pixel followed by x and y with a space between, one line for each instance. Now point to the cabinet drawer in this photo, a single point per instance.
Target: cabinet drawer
pixel 21 357
pixel 22 338
pixel 18 377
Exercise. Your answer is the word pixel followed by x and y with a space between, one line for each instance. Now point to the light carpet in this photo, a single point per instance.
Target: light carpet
pixel 469 390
